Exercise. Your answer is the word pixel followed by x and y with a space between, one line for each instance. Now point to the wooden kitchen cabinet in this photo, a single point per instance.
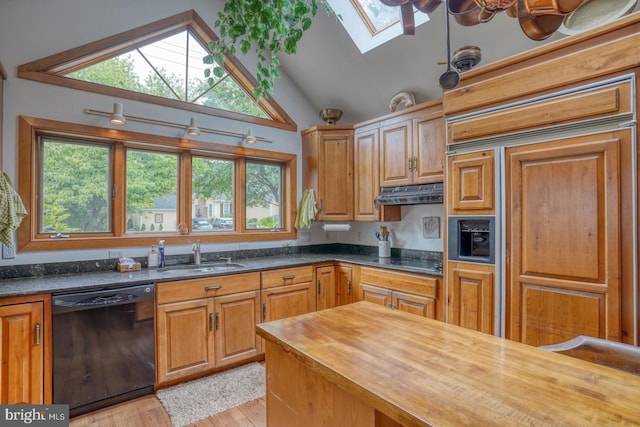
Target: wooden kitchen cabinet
pixel 287 292
pixel 569 224
pixel 367 178
pixel 325 287
pixel 327 164
pixel 334 286
pixel 202 324
pixel 412 147
pixel 408 292
pixel 471 183
pixel 344 284
pixel 25 337
pixel 470 300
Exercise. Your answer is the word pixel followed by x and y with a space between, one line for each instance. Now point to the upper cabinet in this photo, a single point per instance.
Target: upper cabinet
pixel 471 183
pixel 327 162
pixel 367 177
pixel 412 147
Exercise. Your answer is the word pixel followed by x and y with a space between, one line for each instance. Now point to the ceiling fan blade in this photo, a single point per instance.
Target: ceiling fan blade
pixel 408 24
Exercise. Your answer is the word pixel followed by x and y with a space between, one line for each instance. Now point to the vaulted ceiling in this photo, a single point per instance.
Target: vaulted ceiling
pixel 332 73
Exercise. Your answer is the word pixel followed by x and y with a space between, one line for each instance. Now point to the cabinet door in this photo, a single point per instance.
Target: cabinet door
pixel 395 154
pixel 375 294
pixel 367 175
pixel 415 304
pixel 471 296
pixel 344 285
pixel 335 175
pixel 471 183
pixel 564 210
pixel 325 287
pixel 428 149
pixel 236 317
pixel 184 338
pixel 22 368
pixel 287 301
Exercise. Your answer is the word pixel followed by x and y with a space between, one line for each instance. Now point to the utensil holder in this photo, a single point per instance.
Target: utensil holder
pixel 384 249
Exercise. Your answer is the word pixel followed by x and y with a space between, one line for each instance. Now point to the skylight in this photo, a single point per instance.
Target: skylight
pixel 371 23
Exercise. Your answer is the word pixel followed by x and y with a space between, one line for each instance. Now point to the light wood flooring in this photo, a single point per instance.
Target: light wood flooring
pixel 147 411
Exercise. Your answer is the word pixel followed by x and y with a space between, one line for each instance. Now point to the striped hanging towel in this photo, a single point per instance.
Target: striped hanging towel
pixel 12 211
pixel 307 210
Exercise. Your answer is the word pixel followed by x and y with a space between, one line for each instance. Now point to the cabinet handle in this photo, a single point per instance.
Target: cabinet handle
pixel 289 277
pixel 217 320
pixel 349 288
pixel 415 164
pixel 409 162
pixel 38 330
pixel 212 287
pixel 264 311
pixel 211 321
pixel 319 287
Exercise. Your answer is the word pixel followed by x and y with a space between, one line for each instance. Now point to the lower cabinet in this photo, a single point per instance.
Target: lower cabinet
pixel 413 293
pixel 471 295
pixel 287 292
pixel 208 323
pixel 25 332
pixel 333 285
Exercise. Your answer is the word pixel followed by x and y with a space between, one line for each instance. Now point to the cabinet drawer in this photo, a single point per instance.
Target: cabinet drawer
pixel 406 282
pixel 184 290
pixel 287 276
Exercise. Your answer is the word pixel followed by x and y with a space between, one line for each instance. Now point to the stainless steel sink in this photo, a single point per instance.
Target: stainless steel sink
pixel 204 268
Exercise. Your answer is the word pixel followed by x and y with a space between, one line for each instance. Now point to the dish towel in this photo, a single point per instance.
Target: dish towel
pixel 307 210
pixel 12 211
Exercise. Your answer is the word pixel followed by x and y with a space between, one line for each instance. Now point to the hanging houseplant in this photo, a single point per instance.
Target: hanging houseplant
pixel 269 27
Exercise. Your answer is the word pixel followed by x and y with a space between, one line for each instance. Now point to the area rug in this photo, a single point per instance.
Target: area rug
pixel 198 399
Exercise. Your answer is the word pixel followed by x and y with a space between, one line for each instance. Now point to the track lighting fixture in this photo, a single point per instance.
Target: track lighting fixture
pixel 193 130
pixel 117 118
pixel 249 138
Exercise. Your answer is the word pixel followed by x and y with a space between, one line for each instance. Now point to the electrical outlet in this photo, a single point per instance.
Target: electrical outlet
pixel 8 252
pixel 116 253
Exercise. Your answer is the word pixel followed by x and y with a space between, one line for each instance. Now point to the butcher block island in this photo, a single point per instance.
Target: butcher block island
pixel 366 365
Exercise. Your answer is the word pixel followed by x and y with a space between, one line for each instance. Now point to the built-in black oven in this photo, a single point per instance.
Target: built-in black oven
pixel 471 239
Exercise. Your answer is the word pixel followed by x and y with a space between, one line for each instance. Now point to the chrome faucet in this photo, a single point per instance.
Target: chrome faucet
pixel 228 260
pixel 196 249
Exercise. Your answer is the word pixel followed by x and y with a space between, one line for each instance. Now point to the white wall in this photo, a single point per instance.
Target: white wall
pixel 33 29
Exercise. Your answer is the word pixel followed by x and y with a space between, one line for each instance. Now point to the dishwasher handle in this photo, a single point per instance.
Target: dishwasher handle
pixel 63 303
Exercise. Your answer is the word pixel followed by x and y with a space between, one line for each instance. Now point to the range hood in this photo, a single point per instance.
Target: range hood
pixel 423 194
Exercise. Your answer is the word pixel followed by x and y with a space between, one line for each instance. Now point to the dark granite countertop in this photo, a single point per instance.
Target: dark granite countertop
pixel 86 281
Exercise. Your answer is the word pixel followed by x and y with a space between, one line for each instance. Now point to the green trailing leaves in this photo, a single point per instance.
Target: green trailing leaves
pixel 269 27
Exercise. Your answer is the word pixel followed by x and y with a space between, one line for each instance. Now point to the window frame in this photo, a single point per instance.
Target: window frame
pixel 28 238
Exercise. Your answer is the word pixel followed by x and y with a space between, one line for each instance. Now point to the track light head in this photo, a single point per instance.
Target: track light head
pixel 117 118
pixel 249 138
pixel 193 130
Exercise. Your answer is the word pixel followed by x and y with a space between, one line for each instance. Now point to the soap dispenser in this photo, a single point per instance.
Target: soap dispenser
pixel 152 260
pixel 161 254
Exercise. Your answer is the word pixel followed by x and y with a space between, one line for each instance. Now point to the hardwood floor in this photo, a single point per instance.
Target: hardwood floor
pixel 147 411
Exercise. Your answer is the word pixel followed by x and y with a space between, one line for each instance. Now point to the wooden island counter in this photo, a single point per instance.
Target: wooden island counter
pixel 366 365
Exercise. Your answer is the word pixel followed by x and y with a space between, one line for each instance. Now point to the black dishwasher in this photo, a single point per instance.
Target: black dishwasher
pixel 103 347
